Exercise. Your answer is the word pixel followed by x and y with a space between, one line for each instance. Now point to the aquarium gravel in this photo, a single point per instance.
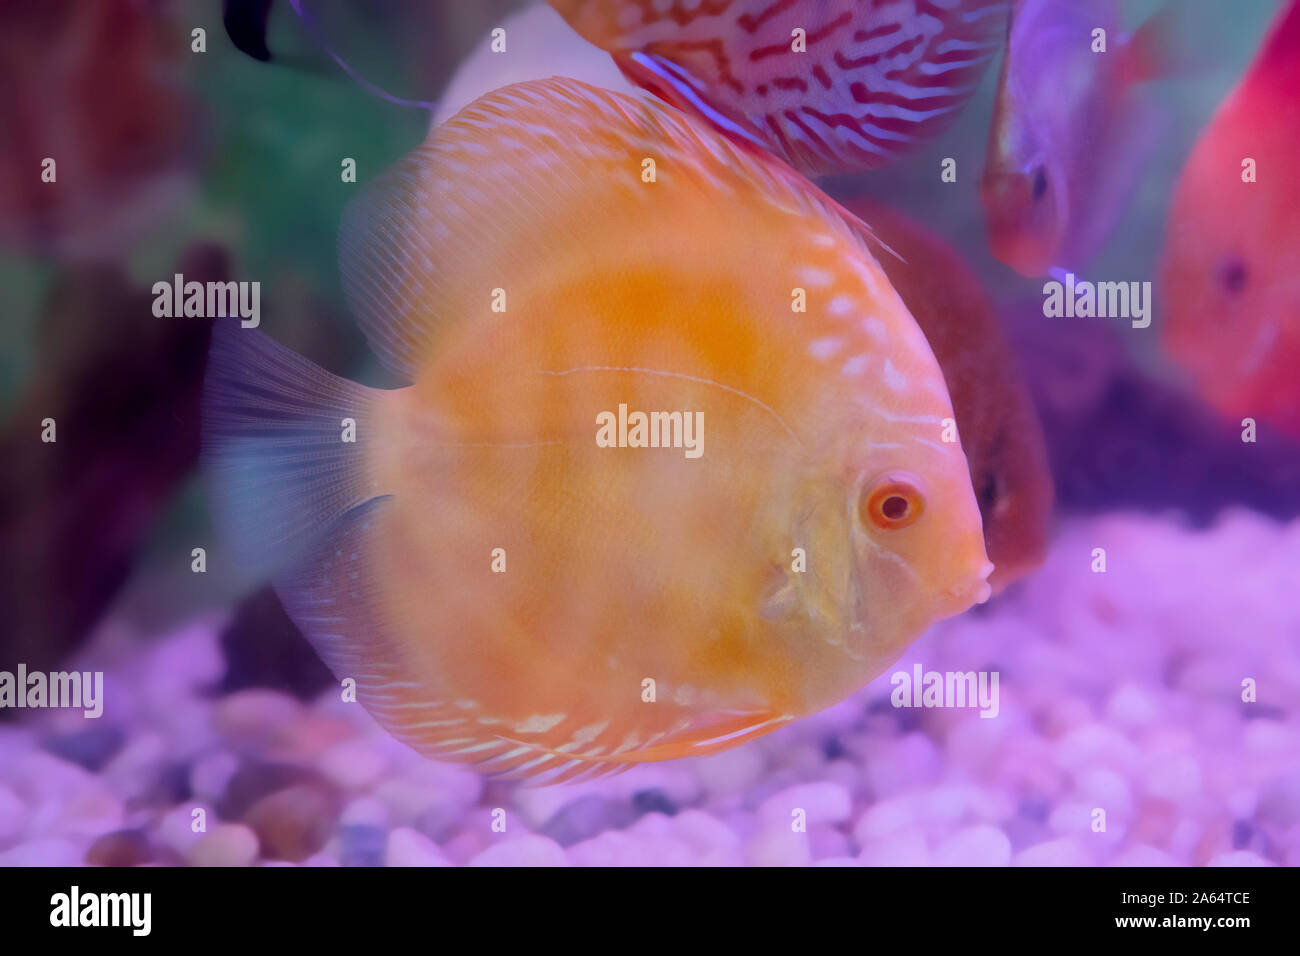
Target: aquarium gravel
pixel 1147 692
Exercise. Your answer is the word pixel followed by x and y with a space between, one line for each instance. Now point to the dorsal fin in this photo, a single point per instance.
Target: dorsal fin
pixel 511 187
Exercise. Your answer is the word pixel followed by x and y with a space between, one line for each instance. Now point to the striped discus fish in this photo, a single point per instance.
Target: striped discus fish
pixel 865 81
pixel 670 469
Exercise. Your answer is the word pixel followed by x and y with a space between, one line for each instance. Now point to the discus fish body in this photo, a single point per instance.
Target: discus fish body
pixel 830 86
pixel 506 589
pixel 1230 272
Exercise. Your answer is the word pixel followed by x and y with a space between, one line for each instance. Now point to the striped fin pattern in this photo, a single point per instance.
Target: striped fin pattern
pixel 877 78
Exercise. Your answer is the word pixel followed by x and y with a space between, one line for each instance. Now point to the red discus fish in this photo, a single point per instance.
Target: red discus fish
pixel 99 136
pixel 830 86
pixel 1230 275
pixel 670 471
pixel 1000 430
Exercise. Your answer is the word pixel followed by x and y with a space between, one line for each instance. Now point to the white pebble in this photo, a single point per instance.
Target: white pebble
pixel 611 848
pixel 821 802
pixel 1063 852
pixel 407 847
pixel 366 811
pixel 43 853
pixel 1132 705
pixel 980 845
pixel 209 777
pixel 523 851
pixel 1270 737
pixel 885 817
pixel 1096 745
pixel 139 757
pixel 1104 788
pixel 176 828
pixel 900 848
pixel 1174 777
pixel 714 843
pixel 1145 855
pixel 779 846
pixel 1240 858
pixel 353 764
pixel 902 763
pixel 226 844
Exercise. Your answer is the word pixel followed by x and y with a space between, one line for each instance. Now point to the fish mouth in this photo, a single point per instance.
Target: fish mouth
pixel 974 590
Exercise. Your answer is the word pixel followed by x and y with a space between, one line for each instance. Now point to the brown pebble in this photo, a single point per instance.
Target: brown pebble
pixel 255 780
pixel 121 848
pixel 296 822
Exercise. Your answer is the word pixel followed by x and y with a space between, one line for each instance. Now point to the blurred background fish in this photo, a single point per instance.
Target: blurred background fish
pixel 73 519
pixel 98 88
pixel 1071 130
pixel 867 81
pixel 1229 276
pixel 823 427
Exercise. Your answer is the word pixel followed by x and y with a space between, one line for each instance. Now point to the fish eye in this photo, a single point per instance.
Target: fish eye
pixel 1040 182
pixel 994 501
pixel 1232 275
pixel 892 501
pixel 990 492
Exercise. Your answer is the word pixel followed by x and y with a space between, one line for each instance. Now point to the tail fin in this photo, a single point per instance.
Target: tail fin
pixel 276 448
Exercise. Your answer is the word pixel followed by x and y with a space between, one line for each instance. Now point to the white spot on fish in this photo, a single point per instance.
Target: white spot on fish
pixel 476 747
pixel 587 734
pixel 875 328
pixel 840 305
pixel 895 379
pixel 854 366
pixel 631 740
pixel 868 277
pixel 825 348
pixel 538 723
pixel 817 278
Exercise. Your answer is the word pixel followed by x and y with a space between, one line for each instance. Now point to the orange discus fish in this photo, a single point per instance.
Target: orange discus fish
pixel 1000 430
pixel 669 470
pixel 1230 274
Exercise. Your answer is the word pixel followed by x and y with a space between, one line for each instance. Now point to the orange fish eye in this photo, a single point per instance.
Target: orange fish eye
pixel 892 501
